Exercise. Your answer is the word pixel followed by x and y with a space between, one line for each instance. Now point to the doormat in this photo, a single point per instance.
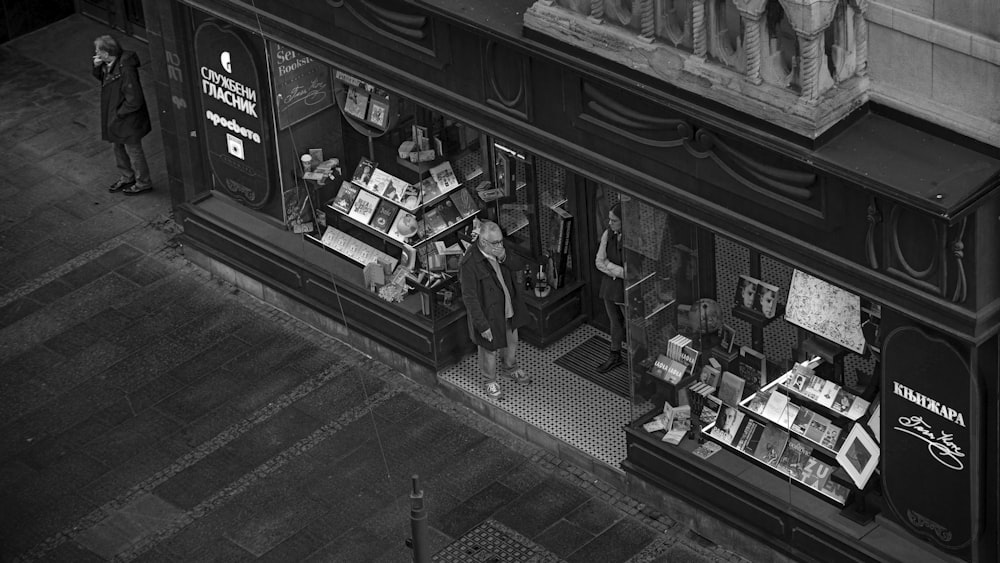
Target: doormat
pixel 584 359
pixel 492 542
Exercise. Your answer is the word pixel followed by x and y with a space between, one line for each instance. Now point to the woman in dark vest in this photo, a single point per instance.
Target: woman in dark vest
pixel 610 263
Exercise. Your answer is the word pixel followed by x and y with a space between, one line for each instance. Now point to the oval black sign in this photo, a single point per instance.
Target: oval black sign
pixel 235 135
pixel 928 470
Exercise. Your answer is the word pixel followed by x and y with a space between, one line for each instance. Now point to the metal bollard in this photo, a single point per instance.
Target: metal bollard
pixel 418 526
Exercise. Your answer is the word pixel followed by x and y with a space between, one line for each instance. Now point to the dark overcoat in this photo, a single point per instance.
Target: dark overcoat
pixel 124 115
pixel 484 301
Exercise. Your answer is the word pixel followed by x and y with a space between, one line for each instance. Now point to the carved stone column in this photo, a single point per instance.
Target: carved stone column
pixel 648 33
pixel 596 11
pixel 698 28
pixel 809 19
pixel 752 12
pixel 860 37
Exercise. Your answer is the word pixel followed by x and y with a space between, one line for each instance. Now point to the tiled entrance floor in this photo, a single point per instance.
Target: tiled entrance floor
pixel 566 406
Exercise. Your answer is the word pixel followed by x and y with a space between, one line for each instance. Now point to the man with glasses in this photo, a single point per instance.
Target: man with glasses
pixel 495 308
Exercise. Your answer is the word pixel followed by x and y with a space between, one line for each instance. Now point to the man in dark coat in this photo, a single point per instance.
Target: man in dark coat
pixel 494 307
pixel 124 116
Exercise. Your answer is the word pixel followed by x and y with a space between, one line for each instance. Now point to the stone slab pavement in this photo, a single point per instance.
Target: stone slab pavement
pixel 151 412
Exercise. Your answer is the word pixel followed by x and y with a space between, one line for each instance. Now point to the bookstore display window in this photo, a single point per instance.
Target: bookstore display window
pixel 766 378
pixel 388 187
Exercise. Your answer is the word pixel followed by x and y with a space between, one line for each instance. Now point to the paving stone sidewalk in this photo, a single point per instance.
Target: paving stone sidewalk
pixel 151 412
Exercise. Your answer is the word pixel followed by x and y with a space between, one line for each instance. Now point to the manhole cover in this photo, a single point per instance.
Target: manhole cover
pixel 492 542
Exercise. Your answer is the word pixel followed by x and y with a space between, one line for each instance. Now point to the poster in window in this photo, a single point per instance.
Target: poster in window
pixel 378 112
pixel 302 85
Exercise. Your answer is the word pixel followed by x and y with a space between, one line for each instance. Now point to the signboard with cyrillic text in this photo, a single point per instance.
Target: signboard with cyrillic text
pixel 236 137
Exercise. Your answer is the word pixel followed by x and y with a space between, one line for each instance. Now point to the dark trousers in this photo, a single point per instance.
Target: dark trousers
pixel 616 315
pixel 131 161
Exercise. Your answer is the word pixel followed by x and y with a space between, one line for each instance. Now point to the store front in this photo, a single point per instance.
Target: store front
pixel 332 158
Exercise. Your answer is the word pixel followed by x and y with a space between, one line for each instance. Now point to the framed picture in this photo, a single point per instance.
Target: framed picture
pixel 728 334
pixel 859 455
pixel 378 112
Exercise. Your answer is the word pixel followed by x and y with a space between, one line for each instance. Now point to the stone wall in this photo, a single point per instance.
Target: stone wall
pixel 939 60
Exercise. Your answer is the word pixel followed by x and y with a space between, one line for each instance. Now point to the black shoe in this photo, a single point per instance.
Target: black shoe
pixel 120 184
pixel 614 360
pixel 132 190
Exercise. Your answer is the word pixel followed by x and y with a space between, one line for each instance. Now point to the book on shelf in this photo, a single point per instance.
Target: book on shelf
pixel 464 203
pixel 356 104
pixel 429 189
pixel 707 450
pixel 842 402
pixel 817 428
pixel 674 436
pixel 364 207
pixel 727 424
pixel 749 436
pixel 379 181
pixel 836 490
pixel 433 221
pixel 449 213
pixel 710 410
pixel 858 408
pixel 815 473
pixel 404 226
pixel 776 407
pixel 831 438
pixel 759 401
pixel 794 458
pixel 668 370
pixel 813 387
pixel 801 422
pixel 345 197
pixel 710 374
pixel 753 367
pixel 385 213
pixel 445 177
pixel 771 444
pixel 731 388
pixel 363 173
pixel 378 111
pixel 827 394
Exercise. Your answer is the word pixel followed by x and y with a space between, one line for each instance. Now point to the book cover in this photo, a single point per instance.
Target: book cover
pixel 797 382
pixel 801 422
pixel 776 407
pixel 750 436
pixel 771 444
pixel 858 408
pixel 794 458
pixel 710 375
pixel 835 490
pixel 445 177
pixel 731 389
pixel 378 112
pixel 464 203
pixel 356 104
pixel 363 173
pixel 433 221
pixel 753 368
pixel 706 450
pixel 842 401
pixel 710 410
pixel 448 211
pixel 345 197
pixel 429 189
pixel 385 213
pixel 813 387
pixel 364 207
pixel 759 400
pixel 727 424
pixel 831 438
pixel 827 394
pixel 404 226
pixel 815 473
pixel 380 179
pixel 817 428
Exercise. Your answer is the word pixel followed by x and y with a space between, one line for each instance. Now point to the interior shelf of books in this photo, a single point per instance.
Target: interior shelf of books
pixel 405 213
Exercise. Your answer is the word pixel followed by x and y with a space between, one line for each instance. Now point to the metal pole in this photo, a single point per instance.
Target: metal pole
pixel 418 525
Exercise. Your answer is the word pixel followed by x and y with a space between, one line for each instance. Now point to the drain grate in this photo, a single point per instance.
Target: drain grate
pixel 492 542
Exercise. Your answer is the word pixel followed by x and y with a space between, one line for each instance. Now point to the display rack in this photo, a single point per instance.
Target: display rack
pixel 806 456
